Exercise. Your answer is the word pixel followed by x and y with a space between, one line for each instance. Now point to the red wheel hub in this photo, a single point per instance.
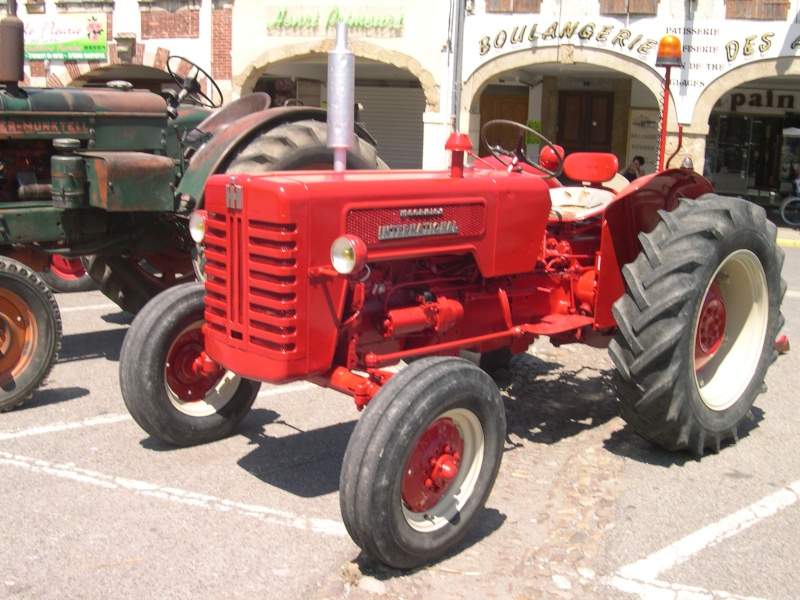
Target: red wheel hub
pixel 433 465
pixel 710 327
pixel 67 268
pixel 190 372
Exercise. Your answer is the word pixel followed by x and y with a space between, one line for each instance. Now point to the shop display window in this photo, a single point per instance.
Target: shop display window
pixel 744 157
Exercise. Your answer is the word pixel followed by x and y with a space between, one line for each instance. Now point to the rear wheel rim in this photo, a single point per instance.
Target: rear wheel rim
pixel 165 269
pixel 194 386
pixel 791 212
pixel 443 469
pixel 733 318
pixel 67 268
pixel 18 335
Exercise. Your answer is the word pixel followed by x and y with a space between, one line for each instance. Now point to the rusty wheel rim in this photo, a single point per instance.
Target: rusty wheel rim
pixel 18 335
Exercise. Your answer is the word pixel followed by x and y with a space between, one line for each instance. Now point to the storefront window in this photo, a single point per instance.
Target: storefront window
pixel 743 157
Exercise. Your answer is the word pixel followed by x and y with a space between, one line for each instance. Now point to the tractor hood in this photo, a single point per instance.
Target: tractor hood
pixel 102 118
pixel 84 100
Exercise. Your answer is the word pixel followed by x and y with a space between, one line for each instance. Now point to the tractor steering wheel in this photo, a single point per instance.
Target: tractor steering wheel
pixel 190 86
pixel 512 158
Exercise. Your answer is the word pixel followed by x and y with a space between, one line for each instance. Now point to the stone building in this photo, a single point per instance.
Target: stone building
pixel 581 72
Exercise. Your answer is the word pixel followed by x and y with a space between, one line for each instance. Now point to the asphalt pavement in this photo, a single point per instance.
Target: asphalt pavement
pixel 93 508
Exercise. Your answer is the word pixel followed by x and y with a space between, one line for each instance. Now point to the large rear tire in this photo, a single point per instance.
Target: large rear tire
pixel 422 461
pixel 170 386
pixel 301 145
pixel 698 323
pixel 131 281
pixel 30 332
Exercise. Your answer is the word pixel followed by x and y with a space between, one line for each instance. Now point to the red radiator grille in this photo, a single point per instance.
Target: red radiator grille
pixel 365 223
pixel 251 290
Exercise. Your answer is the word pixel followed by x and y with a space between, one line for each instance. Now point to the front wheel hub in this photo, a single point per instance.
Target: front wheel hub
pixel 433 465
pixel 191 374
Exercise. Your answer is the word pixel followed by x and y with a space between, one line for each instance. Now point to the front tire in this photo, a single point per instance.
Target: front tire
pixel 171 388
pixel 422 461
pixel 30 332
pixel 698 322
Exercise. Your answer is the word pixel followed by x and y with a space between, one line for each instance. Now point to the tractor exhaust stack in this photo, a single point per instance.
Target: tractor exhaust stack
pixel 341 94
pixel 12 48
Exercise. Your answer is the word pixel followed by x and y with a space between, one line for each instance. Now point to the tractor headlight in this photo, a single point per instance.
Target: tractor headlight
pixel 348 254
pixel 197 225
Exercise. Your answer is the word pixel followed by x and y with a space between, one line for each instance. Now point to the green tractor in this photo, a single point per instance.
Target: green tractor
pixel 112 174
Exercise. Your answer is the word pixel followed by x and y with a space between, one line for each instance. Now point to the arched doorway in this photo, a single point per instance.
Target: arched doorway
pixel 389 102
pixel 392 92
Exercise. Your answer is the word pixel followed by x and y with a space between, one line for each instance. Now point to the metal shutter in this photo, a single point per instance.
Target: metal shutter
pixel 393 115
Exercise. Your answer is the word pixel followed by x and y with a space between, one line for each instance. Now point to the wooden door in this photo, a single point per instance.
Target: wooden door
pixel 512 107
pixel 585 121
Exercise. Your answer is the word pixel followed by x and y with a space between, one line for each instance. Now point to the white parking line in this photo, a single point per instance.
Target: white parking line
pixel 661 590
pixel 56 427
pixel 262 513
pixel 287 388
pixel 87 307
pixel 641 577
pixel 110 419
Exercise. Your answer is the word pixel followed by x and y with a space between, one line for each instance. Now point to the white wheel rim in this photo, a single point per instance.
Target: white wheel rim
pixel 213 398
pixel 723 380
pixel 462 487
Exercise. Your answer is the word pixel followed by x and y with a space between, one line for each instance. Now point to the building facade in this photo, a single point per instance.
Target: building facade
pixel 593 84
pixel 581 72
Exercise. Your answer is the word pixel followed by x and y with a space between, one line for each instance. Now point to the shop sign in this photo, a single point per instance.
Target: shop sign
pixel 66 37
pixel 758 102
pixel 644 136
pixel 710 49
pixel 305 21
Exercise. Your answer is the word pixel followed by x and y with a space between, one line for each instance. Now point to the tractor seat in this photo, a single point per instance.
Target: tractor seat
pixel 578 202
pixel 574 203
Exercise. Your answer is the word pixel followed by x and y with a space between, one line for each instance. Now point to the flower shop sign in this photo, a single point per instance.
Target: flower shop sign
pixel 66 37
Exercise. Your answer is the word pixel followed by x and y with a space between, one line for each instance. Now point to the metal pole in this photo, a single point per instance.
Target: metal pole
pixel 663 143
pixel 457 51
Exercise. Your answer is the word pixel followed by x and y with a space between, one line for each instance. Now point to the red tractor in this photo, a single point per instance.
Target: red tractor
pixel 332 277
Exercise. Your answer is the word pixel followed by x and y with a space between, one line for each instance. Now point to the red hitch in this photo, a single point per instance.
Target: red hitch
pixel 362 389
